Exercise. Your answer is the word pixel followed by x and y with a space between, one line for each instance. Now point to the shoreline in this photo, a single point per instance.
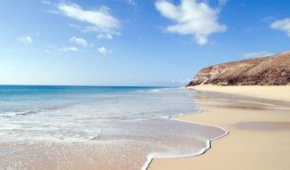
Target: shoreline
pixel 249 129
pixel 151 157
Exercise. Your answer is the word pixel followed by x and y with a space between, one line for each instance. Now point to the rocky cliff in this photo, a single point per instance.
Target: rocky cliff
pixel 271 70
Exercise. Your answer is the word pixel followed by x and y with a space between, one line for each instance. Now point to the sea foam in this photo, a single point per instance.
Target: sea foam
pixel 74 126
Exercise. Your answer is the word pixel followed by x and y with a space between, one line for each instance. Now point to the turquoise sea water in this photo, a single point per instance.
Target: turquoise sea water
pixel 69 127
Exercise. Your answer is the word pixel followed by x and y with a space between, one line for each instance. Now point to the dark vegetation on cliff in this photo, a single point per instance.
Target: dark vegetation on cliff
pixel 271 70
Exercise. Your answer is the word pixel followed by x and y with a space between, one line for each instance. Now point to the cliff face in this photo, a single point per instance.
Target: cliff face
pixel 273 70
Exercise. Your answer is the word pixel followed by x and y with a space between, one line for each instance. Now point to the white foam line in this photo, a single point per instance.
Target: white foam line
pixel 152 156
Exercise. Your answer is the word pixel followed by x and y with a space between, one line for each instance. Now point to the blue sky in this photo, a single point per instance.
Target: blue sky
pixel 133 42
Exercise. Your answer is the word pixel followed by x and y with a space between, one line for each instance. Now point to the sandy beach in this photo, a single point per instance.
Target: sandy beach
pixel 259 129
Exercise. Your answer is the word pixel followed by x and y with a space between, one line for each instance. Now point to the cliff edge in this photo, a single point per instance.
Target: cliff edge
pixel 271 70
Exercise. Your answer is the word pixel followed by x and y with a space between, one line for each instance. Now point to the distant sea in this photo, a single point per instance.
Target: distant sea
pixel 75 127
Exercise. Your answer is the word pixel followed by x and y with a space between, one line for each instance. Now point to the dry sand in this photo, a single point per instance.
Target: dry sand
pixel 259 136
pixel 266 92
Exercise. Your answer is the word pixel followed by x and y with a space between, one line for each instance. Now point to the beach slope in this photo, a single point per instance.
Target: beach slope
pixel 259 129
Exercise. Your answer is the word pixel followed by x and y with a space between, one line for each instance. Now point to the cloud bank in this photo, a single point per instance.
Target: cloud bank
pixel 104 51
pixel 106 36
pixel 282 25
pixel 97 20
pixel 25 39
pixel 79 41
pixel 191 18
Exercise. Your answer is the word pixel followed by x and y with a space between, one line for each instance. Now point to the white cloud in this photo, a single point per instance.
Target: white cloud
pixel 25 39
pixel 102 50
pixel 105 36
pixel 98 20
pixel 79 41
pixel 257 54
pixel 282 25
pixel 69 49
pixel 192 18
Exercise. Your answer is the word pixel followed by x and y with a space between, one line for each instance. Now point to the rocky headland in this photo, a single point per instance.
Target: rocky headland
pixel 270 70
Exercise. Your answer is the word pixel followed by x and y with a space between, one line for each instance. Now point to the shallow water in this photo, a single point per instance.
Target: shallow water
pixel 54 127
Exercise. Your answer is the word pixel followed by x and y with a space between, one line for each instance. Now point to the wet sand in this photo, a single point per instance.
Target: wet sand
pixel 259 130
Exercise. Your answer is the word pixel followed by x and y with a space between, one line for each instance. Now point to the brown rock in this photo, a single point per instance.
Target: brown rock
pixel 272 70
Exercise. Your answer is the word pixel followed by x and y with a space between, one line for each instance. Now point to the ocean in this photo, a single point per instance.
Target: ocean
pixel 117 128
